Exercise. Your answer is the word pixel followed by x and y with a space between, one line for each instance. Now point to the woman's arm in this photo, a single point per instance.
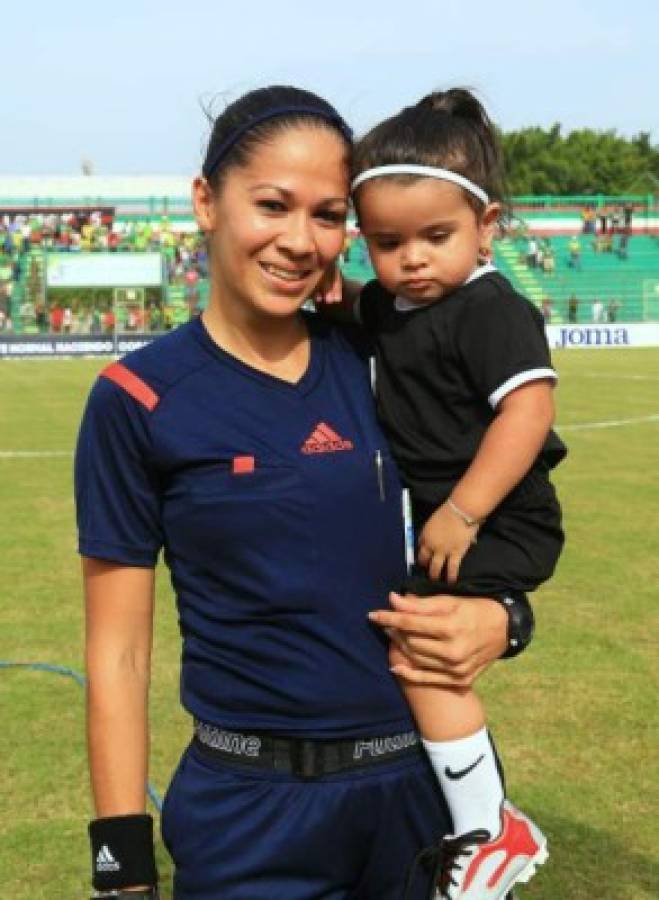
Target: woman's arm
pixel 119 625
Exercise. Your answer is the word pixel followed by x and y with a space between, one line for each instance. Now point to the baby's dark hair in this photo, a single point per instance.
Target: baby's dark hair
pixel 447 130
pixel 256 117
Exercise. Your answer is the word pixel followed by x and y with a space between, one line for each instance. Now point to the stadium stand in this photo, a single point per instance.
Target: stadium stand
pixel 26 240
pixel 629 277
pixel 547 215
pixel 613 277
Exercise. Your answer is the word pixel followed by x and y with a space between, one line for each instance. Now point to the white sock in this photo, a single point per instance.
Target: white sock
pixel 474 799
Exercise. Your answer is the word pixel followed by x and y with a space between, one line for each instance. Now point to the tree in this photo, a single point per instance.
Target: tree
pixel 585 161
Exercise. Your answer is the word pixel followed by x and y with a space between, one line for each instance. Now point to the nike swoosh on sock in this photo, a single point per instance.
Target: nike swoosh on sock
pixel 455 776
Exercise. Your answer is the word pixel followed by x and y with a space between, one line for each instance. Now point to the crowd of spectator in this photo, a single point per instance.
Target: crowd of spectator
pixel 600 312
pixel 81 317
pixel 186 265
pixel 539 254
pixel 95 230
pixel 184 253
pixel 607 220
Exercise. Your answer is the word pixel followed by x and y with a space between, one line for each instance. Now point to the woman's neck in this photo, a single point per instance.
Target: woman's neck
pixel 279 347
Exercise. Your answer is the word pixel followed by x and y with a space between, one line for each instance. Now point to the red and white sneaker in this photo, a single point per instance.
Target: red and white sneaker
pixel 473 866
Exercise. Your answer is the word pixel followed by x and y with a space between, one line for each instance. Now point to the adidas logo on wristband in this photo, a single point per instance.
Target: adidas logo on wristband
pixel 122 852
pixel 105 861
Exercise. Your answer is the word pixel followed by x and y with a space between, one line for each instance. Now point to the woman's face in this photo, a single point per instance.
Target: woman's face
pixel 276 224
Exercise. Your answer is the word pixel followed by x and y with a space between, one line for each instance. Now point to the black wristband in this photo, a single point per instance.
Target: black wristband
pixel 122 852
pixel 521 622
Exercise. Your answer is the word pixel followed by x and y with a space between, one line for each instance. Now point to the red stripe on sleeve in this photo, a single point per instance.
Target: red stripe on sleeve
pixel 131 384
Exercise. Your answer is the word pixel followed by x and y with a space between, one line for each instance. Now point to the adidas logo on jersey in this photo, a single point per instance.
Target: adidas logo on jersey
pixel 324 440
pixel 105 861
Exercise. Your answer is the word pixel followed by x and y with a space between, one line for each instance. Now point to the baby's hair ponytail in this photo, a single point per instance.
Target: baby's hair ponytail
pixel 445 129
pixel 456 102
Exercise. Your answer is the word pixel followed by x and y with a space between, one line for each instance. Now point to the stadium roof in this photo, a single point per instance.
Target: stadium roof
pixel 94 187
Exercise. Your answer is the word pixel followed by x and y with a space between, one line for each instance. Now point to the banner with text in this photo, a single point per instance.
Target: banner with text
pixel 635 334
pixel 49 345
pixel 559 336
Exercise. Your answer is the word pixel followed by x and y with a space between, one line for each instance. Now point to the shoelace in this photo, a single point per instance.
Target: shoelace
pixel 443 858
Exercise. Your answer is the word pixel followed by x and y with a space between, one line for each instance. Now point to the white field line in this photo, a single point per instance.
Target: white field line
pixel 581 426
pixel 610 376
pixel 33 454
pixel 610 423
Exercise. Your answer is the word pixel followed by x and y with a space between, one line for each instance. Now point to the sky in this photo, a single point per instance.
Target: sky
pixel 124 83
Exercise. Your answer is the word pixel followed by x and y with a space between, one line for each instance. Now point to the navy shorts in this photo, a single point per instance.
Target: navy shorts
pixel 238 833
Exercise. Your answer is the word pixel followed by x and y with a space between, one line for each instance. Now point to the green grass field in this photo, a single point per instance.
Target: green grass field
pixel 575 717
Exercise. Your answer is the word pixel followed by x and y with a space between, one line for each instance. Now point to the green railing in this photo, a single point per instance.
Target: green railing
pixel 157 204
pixel 165 205
pixel 578 201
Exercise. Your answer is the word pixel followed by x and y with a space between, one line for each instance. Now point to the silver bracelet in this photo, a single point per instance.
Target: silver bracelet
pixel 468 520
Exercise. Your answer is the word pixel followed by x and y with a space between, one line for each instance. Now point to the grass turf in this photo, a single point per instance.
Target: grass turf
pixel 575 717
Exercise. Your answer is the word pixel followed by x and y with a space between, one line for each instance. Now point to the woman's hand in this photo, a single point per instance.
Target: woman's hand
pixel 442 640
pixel 443 542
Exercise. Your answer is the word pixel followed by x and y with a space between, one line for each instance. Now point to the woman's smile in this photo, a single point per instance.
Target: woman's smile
pixel 287 279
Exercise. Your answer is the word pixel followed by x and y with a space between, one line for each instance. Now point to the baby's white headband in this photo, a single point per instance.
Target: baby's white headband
pixel 428 172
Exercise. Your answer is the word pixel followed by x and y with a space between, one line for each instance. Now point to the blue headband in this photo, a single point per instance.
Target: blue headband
pixel 332 117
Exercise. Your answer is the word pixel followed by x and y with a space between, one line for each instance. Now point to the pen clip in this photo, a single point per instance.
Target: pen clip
pixel 380 473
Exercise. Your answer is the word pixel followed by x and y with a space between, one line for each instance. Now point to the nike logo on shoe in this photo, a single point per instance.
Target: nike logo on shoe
pixel 455 776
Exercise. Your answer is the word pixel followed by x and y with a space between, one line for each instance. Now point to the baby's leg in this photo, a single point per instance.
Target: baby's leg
pixel 452 725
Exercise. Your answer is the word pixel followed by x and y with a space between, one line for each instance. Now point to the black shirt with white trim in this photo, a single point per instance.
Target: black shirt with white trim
pixel 443 368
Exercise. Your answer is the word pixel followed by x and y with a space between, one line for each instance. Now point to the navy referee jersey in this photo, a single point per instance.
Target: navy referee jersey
pixel 278 509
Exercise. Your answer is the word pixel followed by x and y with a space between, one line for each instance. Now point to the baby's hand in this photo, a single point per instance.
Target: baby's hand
pixel 444 541
pixel 330 287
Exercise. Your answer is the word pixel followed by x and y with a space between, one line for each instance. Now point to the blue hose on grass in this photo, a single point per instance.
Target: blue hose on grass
pixel 154 796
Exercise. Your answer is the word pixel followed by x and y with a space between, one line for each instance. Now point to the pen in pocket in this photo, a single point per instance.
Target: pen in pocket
pixel 408 529
pixel 380 473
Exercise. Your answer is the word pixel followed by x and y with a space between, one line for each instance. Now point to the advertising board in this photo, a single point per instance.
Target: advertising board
pixel 94 270
pixel 596 337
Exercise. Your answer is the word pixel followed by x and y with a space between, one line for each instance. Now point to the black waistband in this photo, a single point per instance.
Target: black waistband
pixel 301 757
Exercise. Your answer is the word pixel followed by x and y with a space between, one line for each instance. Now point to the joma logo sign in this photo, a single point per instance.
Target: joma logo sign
pixel 592 337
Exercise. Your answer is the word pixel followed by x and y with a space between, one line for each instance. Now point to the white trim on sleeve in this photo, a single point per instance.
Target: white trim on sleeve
pixel 516 381
pixel 483 269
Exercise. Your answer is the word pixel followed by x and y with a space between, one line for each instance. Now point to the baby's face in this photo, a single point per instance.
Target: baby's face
pixel 423 237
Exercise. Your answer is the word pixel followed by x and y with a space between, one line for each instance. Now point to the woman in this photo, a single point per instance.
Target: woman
pixel 245 445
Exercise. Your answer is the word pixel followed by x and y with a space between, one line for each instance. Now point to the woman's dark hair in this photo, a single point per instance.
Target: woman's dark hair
pixel 448 130
pixel 256 117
